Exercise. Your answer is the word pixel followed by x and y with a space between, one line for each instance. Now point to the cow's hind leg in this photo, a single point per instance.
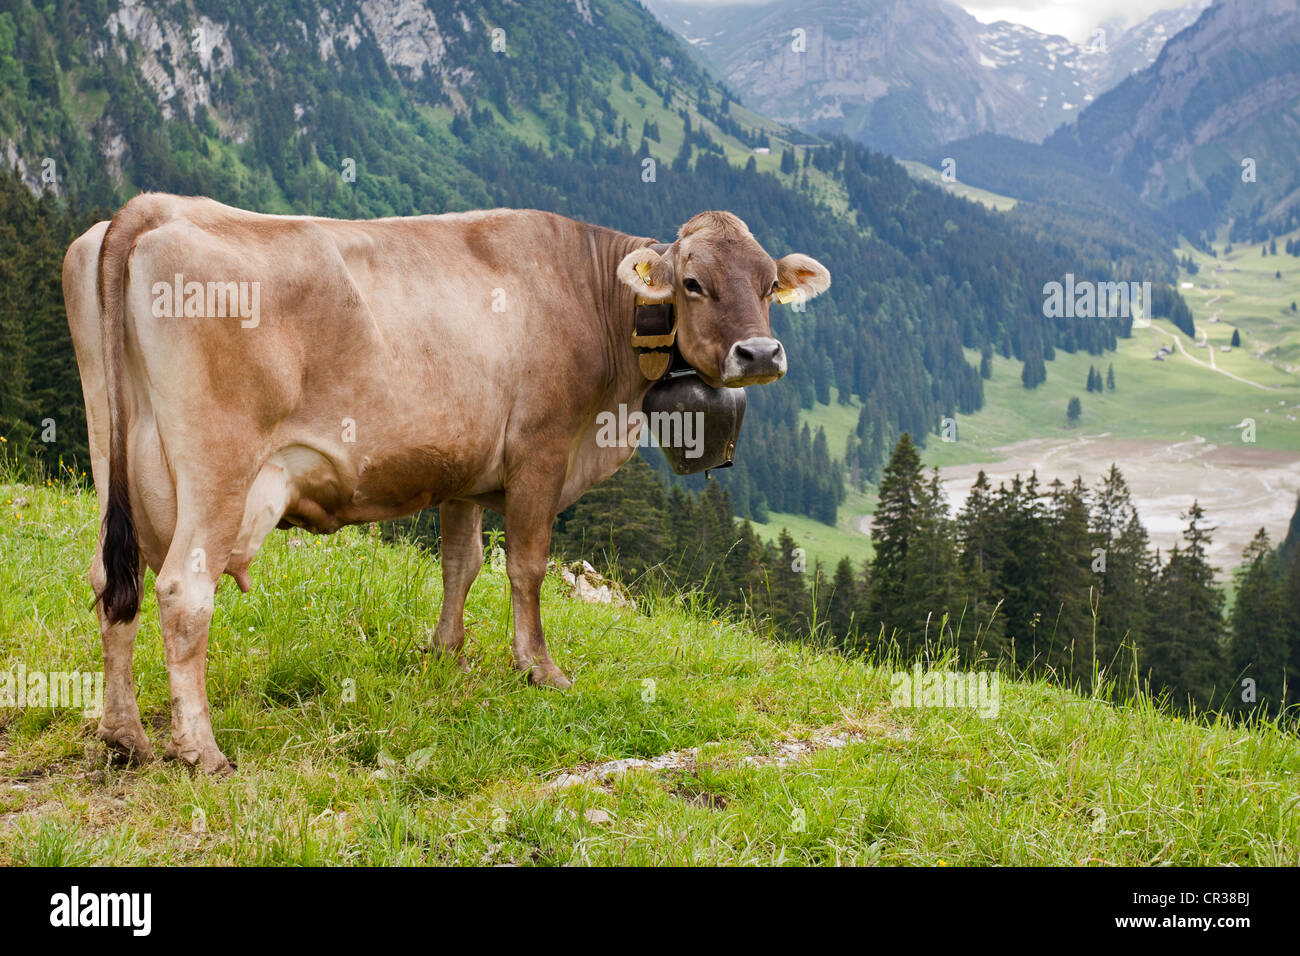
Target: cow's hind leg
pixel 119 725
pixel 530 513
pixel 462 558
pixel 185 587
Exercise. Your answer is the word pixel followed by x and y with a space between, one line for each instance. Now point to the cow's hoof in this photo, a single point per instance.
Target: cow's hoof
pixel 548 675
pixel 128 741
pixel 208 759
pixel 460 660
pixel 448 650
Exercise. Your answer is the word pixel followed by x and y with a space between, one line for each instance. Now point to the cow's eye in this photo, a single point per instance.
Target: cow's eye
pixel 772 291
pixel 693 287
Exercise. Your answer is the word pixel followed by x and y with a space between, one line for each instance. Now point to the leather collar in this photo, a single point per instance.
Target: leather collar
pixel 654 334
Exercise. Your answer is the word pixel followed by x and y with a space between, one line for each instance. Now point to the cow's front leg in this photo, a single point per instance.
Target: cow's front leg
pixel 530 512
pixel 461 525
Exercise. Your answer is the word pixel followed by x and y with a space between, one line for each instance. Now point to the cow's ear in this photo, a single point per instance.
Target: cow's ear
pixel 800 276
pixel 648 273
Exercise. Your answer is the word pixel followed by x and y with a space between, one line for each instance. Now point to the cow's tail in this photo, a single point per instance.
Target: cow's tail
pixel 120 546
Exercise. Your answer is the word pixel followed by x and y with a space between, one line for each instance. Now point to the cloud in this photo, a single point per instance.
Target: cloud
pixel 1075 19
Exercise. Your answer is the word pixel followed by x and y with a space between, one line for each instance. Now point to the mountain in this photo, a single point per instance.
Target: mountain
pixel 393 107
pixel 906 75
pixel 1117 51
pixel 1211 130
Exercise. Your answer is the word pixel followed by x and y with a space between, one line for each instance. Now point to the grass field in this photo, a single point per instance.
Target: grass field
pixel 996 201
pixel 1244 291
pixel 801 757
pixel 821 541
pixel 1168 400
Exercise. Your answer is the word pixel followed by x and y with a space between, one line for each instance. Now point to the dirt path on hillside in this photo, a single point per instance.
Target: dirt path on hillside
pixel 1210 364
pixel 1242 488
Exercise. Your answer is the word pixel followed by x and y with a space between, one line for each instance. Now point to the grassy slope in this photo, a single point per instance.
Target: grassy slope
pixel 1250 297
pixel 432 765
pixel 996 201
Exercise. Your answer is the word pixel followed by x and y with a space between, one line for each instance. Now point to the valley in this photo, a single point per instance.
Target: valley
pixel 1173 426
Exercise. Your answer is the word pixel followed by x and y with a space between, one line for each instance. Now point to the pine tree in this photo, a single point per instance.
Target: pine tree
pixel 1236 338
pixel 1066 580
pixel 787 595
pixel 1073 409
pixel 893 526
pixel 1123 568
pixel 1034 372
pixel 1184 648
pixel 683 563
pixel 620 522
pixel 719 541
pixel 1110 377
pixel 1024 533
pixel 842 604
pixel 980 544
pixel 1258 649
pixel 931 580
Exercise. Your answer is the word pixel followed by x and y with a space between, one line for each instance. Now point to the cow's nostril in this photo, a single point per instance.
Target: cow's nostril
pixel 757 358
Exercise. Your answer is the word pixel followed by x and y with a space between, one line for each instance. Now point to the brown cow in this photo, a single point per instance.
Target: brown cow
pixel 244 372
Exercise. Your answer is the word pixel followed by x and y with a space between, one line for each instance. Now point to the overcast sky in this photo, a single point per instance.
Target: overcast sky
pixel 1075 19
pixel 1072 18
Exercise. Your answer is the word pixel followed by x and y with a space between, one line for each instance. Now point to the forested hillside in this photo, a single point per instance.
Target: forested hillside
pixel 1045 580
pixel 379 108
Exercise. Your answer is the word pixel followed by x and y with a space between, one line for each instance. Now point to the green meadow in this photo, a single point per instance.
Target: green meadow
pixel 355 747
pixel 984 197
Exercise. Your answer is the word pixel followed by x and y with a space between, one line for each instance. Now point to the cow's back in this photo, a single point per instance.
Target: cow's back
pixel 390 363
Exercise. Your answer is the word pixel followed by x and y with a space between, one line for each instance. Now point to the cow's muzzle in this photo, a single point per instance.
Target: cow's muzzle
pixel 754 361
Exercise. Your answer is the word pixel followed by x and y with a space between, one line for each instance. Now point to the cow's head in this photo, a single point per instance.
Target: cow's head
pixel 722 283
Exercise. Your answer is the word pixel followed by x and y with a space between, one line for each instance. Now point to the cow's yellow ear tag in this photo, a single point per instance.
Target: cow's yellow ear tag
pixel 643 270
pixel 786 296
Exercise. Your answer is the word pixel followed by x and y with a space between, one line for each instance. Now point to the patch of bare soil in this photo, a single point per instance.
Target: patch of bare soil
pixel 782 753
pixel 1242 488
